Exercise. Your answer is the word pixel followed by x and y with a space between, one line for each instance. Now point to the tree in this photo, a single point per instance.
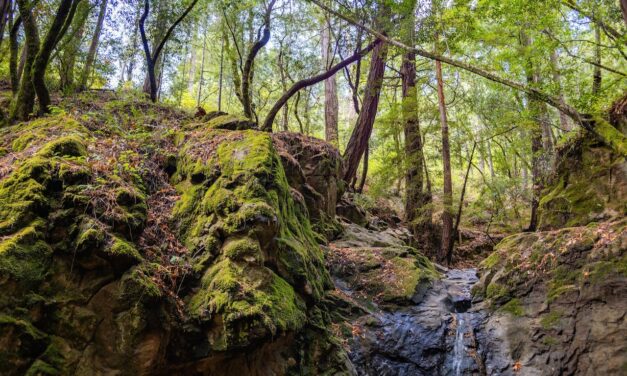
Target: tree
pixel 93 47
pixel 152 57
pixel 331 107
pixel 32 82
pixel 599 128
pixel 296 87
pixel 447 195
pixel 417 216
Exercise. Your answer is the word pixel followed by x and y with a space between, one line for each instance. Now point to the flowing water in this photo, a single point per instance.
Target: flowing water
pixel 436 337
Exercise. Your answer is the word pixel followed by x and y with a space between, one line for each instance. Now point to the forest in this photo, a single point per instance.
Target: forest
pixel 313 187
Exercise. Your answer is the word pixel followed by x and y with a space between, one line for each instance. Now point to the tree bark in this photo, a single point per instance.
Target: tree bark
pixel 416 214
pixel 247 71
pixel 365 121
pixel 557 77
pixel 331 106
pixel 596 79
pixel 267 123
pixel 64 16
pixel 447 196
pixel 364 170
pixel 93 47
pixel 623 8
pixel 5 10
pixel 24 101
pixel 14 48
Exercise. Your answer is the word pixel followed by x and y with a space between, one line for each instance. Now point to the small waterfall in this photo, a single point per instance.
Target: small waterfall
pixel 459 348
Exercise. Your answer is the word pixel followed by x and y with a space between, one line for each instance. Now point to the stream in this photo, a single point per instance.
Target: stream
pixel 439 336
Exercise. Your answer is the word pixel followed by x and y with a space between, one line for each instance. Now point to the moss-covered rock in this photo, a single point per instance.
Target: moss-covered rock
pixel 588 185
pixel 125 247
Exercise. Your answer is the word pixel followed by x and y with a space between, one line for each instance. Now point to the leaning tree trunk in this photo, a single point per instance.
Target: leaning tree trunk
pixel 447 197
pixel 93 47
pixel 64 16
pixel 365 121
pixel 331 106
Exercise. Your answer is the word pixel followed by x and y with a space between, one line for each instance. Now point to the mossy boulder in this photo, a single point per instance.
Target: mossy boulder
pixel 253 243
pixel 155 243
pixel 589 184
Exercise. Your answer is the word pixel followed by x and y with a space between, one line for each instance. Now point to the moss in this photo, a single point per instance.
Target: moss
pixel 611 136
pixel 513 307
pixel 138 285
pixel 243 249
pixel 22 142
pixel 23 194
pixel 121 249
pixel 600 270
pixel 551 319
pixel 491 261
pixel 496 291
pixel 563 279
pixel 253 303
pixel 550 341
pixel 68 146
pixel 24 256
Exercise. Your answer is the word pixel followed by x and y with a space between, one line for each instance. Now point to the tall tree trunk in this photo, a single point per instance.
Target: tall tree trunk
pixel 134 42
pixel 490 161
pixel 24 102
pixel 93 47
pixel 623 8
pixel 539 114
pixel 202 61
pixel 447 196
pixel 364 170
pixel 248 69
pixel 557 77
pixel 14 48
pixel 416 214
pixel 5 11
pixel 596 79
pixel 71 46
pixel 331 106
pixel 365 121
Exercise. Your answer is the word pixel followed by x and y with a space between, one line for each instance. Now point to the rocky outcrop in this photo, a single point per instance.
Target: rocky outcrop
pixel 559 301
pixel 158 245
pixel 314 169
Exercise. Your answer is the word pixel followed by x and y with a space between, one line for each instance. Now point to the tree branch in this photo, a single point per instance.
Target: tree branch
pixel 608 135
pixel 267 124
